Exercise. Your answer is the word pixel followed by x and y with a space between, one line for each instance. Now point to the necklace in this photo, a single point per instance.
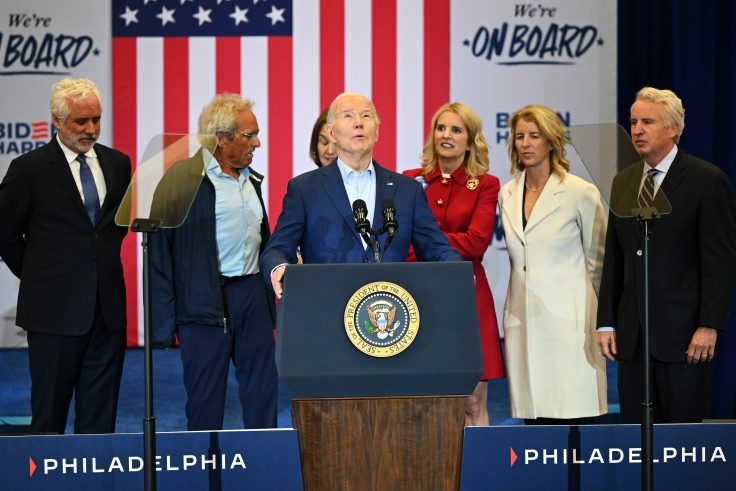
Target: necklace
pixel 530 188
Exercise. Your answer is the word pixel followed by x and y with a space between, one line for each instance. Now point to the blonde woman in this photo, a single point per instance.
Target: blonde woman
pixel 555 233
pixel 463 198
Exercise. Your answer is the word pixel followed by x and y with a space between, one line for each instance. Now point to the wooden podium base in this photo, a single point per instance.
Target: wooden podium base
pixel 380 443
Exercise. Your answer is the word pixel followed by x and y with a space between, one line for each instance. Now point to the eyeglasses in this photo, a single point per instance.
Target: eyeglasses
pixel 248 135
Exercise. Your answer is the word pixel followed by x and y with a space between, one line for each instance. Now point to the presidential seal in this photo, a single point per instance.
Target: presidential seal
pixel 381 319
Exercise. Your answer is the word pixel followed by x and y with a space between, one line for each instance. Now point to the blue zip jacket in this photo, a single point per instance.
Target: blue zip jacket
pixel 185 274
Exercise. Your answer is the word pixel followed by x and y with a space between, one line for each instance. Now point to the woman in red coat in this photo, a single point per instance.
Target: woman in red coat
pixel 463 198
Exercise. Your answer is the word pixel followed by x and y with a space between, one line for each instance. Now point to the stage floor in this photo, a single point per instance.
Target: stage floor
pixel 169 395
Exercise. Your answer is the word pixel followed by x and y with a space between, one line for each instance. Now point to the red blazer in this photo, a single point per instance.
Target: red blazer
pixel 465 210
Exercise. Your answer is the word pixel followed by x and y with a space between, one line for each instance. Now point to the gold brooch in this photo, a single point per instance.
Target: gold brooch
pixel 472 184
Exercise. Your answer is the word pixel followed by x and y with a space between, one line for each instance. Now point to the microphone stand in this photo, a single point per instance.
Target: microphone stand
pixel 388 241
pixel 366 238
pixel 376 245
pixel 391 234
pixel 391 231
pixel 372 243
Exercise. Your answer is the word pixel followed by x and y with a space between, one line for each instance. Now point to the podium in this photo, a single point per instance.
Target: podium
pixel 379 404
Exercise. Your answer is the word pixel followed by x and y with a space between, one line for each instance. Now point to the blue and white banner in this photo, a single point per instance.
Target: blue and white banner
pixel 244 459
pixel 686 456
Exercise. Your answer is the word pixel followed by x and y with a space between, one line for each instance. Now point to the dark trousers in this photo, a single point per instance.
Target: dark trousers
pixel 681 393
pixel 206 352
pixel 89 366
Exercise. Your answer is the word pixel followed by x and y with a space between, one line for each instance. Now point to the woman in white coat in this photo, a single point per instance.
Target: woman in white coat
pixel 555 229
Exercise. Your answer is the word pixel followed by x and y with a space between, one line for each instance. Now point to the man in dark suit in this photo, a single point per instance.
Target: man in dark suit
pixel 692 259
pixel 205 282
pixel 59 237
pixel 317 214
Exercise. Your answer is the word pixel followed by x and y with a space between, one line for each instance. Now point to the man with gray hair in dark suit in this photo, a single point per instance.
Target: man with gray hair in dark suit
pixel 692 262
pixel 59 237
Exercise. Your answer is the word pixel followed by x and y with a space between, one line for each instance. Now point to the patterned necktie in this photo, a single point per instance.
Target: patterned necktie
pixel 91 198
pixel 646 194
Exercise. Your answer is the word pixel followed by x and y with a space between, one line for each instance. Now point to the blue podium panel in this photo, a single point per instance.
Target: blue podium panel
pixel 316 359
pixel 604 457
pixel 218 460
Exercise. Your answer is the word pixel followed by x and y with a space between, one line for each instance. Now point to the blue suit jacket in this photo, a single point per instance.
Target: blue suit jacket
pixel 318 218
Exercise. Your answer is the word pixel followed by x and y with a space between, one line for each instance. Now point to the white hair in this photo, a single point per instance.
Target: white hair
pixel 74 90
pixel 218 116
pixel 674 113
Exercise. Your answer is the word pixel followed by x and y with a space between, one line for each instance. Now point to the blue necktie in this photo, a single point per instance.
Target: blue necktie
pixel 91 198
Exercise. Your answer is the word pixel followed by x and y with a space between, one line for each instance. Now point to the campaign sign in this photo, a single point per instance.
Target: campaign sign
pixel 217 460
pixel 686 456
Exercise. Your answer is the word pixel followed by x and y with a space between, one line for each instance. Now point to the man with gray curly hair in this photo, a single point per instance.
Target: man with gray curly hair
pixel 205 279
pixel 691 269
pixel 59 237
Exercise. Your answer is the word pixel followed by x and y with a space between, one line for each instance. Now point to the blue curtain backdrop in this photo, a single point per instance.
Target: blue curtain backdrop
pixel 690 47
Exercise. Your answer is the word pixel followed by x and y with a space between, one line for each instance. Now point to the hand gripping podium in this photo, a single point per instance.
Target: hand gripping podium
pixel 378 360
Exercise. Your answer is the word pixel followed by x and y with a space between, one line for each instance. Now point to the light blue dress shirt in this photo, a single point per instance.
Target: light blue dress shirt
pixel 238 217
pixel 360 186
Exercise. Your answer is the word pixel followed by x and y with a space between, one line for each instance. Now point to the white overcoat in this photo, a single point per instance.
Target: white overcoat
pixel 554 366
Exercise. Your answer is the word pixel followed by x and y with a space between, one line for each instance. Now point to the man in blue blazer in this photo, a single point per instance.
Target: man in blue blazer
pixel 317 215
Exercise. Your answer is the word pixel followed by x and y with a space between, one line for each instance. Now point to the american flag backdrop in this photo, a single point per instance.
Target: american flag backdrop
pixel 169 57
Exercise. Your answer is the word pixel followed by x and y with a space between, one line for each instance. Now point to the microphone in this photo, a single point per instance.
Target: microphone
pixel 390 224
pixel 360 212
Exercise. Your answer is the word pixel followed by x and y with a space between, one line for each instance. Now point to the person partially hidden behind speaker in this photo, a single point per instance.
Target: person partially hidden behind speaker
pixel 321 146
pixel 692 259
pixel 59 237
pixel 463 198
pixel 317 214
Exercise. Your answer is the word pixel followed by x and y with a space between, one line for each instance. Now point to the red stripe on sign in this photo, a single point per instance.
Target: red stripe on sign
pixel 331 51
pixel 436 57
pixel 124 94
pixel 176 85
pixel 280 122
pixel 227 58
pixel 384 79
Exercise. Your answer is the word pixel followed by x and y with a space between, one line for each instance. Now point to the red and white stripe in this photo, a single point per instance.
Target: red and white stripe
pixel 396 52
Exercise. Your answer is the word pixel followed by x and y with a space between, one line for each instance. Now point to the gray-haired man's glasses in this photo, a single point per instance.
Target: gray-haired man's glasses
pixel 248 135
